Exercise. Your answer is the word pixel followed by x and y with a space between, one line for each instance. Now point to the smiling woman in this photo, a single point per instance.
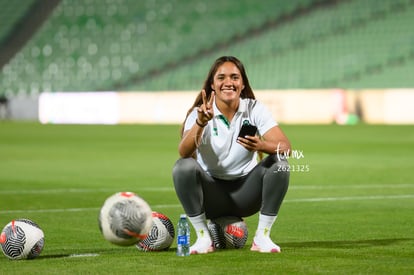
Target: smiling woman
pixel 218 174
pixel 228 85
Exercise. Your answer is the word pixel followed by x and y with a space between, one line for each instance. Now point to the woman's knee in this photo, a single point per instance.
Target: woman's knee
pixel 184 166
pixel 183 174
pixel 280 172
pixel 274 159
pixel 282 166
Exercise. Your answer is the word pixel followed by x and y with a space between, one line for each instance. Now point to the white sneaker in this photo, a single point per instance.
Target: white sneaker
pixel 202 245
pixel 262 243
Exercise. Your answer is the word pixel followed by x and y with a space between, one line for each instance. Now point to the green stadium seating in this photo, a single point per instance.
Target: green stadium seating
pixel 90 45
pixel 337 46
pixel 95 45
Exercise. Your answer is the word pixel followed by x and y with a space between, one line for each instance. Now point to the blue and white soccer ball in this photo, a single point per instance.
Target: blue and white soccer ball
pixel 161 235
pixel 22 239
pixel 125 219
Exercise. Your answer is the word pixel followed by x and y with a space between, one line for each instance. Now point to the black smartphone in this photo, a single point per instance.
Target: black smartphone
pixel 247 130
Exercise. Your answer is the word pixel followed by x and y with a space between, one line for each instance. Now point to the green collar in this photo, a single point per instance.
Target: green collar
pixel 225 121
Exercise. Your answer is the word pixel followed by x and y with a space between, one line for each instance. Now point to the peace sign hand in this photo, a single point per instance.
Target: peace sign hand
pixel 205 111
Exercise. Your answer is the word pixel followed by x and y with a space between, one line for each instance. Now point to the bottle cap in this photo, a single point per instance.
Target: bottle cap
pixel 183 216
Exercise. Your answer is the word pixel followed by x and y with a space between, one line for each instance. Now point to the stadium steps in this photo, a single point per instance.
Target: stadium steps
pixel 10 13
pixel 27 23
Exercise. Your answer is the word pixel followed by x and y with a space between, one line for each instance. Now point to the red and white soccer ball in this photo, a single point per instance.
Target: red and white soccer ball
pixel 22 239
pixel 125 219
pixel 228 232
pixel 161 235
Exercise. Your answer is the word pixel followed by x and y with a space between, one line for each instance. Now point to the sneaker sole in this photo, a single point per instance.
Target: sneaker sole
pixel 257 248
pixel 209 250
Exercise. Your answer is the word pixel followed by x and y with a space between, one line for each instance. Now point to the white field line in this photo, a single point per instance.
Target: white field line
pixel 346 186
pixel 356 198
pixel 171 189
pixel 83 255
pixel 327 199
pixel 80 190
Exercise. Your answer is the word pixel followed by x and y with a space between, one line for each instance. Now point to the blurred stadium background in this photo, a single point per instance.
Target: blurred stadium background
pixel 341 48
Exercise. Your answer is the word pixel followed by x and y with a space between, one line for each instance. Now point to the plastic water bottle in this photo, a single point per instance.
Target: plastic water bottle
pixel 183 236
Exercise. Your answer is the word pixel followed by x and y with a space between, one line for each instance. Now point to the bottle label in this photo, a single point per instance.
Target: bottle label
pixel 182 240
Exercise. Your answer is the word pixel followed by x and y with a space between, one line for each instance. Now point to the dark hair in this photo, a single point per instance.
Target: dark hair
pixel 247 92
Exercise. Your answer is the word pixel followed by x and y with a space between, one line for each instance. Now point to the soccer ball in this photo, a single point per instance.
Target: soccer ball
pixel 161 235
pixel 228 232
pixel 22 239
pixel 125 219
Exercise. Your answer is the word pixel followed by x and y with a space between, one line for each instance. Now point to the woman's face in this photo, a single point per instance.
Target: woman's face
pixel 227 82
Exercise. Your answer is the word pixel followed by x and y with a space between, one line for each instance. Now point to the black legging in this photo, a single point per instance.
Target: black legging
pixel 262 189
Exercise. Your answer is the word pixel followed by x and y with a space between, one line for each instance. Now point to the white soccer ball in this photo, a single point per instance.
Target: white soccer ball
pixel 22 239
pixel 161 235
pixel 228 232
pixel 125 218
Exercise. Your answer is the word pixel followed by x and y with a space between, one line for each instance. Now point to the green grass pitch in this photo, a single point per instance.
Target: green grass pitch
pixel 351 213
